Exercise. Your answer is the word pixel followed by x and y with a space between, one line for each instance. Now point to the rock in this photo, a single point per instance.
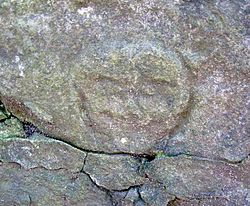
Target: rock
pixel 98 91
pixel 215 124
pixel 155 194
pixel 128 198
pixel 194 178
pixel 11 128
pixel 201 202
pixel 3 113
pixel 45 153
pixel 113 172
pixel 121 79
pixel 118 196
pixel 48 187
pixel 132 198
pixel 2 116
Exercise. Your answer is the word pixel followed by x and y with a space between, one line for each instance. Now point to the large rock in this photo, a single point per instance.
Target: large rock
pixel 195 178
pixel 106 93
pixel 48 187
pixel 112 77
pixel 118 76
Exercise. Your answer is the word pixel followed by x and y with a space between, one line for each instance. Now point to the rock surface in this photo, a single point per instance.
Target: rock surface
pixel 190 178
pixel 114 172
pixel 124 103
pixel 48 187
pixel 11 128
pixel 3 113
pixel 49 154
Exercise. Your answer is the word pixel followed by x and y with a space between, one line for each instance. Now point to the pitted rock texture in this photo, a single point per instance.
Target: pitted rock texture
pixel 124 102
pixel 49 154
pixel 114 172
pixel 113 94
pixel 46 187
pixel 121 76
pixel 10 128
pixel 190 178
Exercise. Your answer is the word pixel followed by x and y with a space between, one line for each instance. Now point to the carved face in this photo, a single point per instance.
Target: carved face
pixel 136 94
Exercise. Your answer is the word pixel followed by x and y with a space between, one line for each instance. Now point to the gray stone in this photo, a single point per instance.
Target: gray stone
pixel 195 178
pixel 128 198
pixel 80 74
pixel 114 172
pixel 48 187
pixel 149 77
pixel 155 194
pixel 11 128
pixel 99 91
pixel 2 115
pixel 201 202
pixel 46 153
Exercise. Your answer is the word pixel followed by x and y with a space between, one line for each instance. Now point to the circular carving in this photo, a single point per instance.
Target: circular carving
pixel 136 92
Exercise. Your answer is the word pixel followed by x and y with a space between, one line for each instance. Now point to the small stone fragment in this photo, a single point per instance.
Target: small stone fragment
pixel 114 172
pixel 11 128
pixel 127 198
pixel 47 153
pixel 155 194
pixel 3 112
pixel 2 116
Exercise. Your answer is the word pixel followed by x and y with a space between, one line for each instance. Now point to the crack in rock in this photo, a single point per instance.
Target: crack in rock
pixel 48 187
pixel 124 103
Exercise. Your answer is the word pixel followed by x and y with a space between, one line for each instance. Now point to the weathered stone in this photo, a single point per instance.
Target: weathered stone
pixel 201 202
pixel 2 115
pixel 127 198
pixel 196 178
pixel 110 94
pixel 217 126
pixel 11 128
pixel 46 153
pixel 164 77
pixel 127 83
pixel 132 198
pixel 48 187
pixel 114 172
pixel 155 194
pixel 216 123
